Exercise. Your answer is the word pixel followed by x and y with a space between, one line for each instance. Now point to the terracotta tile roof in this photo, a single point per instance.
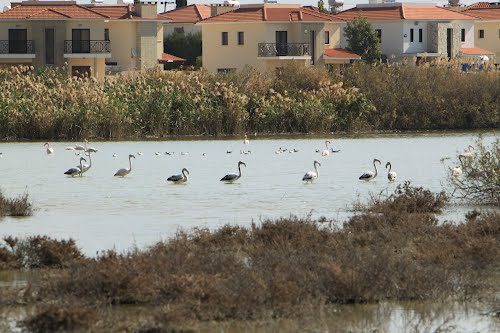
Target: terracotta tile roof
pixel 478 5
pixel 485 13
pixel 188 14
pixel 281 14
pixel 475 51
pixel 402 12
pixel 166 58
pixel 341 53
pixel 117 12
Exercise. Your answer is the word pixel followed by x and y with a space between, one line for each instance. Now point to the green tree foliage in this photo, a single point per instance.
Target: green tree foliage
pixel 187 46
pixel 322 8
pixel 363 40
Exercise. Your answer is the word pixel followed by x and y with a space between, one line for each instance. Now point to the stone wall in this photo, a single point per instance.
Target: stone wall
pixel 437 38
pixel 149 39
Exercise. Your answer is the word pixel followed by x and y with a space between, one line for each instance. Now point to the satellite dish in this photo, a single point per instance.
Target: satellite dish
pixel 336 3
pixel 453 2
pixel 133 52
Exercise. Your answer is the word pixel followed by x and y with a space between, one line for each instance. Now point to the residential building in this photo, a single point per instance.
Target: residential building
pixel 184 19
pixel 487 28
pixel 270 35
pixel 417 30
pixel 87 38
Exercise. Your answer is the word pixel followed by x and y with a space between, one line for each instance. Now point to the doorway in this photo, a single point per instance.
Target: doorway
pixel 449 42
pixel 49 46
pixel 281 43
pixel 81 41
pixel 18 42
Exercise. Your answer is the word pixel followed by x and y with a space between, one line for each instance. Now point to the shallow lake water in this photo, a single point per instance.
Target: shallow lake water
pixel 101 211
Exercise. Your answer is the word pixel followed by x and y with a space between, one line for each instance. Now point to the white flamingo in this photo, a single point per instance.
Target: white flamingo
pixel 246 141
pixel 77 170
pixel 232 177
pixel 457 171
pixel 86 167
pixel 391 175
pixel 312 175
pixel 369 175
pixel 89 149
pixel 125 171
pixel 469 153
pixel 181 178
pixel 49 150
pixel 326 152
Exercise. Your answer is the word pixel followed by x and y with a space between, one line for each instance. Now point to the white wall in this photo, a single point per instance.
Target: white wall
pixel 416 46
pixel 469 32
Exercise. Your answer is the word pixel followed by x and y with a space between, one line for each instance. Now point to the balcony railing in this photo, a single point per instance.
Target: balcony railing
pixel 87 46
pixel 17 47
pixel 283 50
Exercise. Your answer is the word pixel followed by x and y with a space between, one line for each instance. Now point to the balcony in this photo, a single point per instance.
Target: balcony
pixel 284 51
pixel 17 49
pixel 87 49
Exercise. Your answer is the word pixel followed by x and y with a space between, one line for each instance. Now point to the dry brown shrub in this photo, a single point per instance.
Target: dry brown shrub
pixel 59 318
pixel 20 206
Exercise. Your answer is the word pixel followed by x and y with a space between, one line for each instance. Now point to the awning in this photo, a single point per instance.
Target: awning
pixel 341 54
pixel 475 51
pixel 168 58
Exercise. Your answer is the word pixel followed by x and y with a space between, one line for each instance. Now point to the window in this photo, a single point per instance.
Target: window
pixel 106 34
pixel 81 41
pixel 49 46
pixel 241 38
pixel 379 34
pixel 481 33
pixel 420 35
pixel 327 37
pixel 463 35
pixel 18 41
pixel 179 30
pixel 411 35
pixel 224 38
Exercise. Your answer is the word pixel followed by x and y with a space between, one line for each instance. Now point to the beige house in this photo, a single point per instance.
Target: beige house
pixel 487 28
pixel 91 39
pixel 270 35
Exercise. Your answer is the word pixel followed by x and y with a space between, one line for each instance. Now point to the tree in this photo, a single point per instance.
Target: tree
pixel 187 46
pixel 322 8
pixel 363 40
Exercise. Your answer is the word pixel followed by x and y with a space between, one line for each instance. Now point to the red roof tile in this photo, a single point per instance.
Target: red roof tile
pixel 485 13
pixel 280 14
pixel 475 51
pixel 479 5
pixel 402 12
pixel 188 14
pixel 165 58
pixel 341 53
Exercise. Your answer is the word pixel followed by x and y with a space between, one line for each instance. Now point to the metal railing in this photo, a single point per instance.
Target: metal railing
pixel 17 47
pixel 281 50
pixel 87 46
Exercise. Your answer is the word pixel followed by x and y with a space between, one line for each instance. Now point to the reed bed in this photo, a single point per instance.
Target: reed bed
pixel 50 105
pixel 20 206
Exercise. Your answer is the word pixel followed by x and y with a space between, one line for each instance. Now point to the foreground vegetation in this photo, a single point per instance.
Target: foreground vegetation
pixel 392 249
pixel 363 97
pixel 20 206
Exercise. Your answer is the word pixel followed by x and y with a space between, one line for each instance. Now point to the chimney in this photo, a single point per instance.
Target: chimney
pixel 217 9
pixel 146 9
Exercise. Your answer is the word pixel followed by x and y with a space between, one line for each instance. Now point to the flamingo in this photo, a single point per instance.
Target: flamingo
pixel 126 171
pixel 89 149
pixel 181 178
pixel 115 155
pixel 86 167
pixel 49 150
pixel 232 177
pixel 246 141
pixel 326 152
pixel 457 171
pixel 76 147
pixel 391 175
pixel 469 152
pixel 312 175
pixel 76 170
pixel 369 175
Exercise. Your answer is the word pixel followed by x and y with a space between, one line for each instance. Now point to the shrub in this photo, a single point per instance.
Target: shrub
pixel 20 206
pixel 58 318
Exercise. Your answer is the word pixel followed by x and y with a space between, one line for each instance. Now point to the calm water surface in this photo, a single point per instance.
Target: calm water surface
pixel 102 212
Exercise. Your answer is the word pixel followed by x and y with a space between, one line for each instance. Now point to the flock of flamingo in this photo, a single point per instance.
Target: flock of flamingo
pixel 310 176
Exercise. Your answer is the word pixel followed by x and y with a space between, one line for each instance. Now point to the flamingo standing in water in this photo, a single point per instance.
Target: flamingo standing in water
pixel 469 153
pixel 49 150
pixel 369 175
pixel 312 175
pixel 457 171
pixel 232 177
pixel 181 178
pixel 86 167
pixel 246 141
pixel 326 152
pixel 125 171
pixel 89 149
pixel 77 170
pixel 391 175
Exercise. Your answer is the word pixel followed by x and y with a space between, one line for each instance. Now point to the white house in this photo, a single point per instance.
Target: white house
pixel 416 30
